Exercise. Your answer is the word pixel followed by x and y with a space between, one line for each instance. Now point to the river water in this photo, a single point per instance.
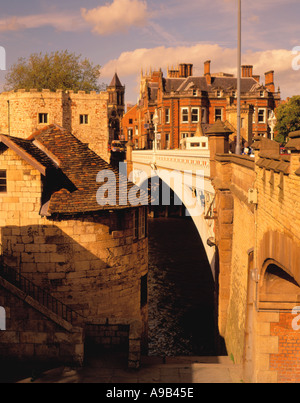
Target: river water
pixel 181 290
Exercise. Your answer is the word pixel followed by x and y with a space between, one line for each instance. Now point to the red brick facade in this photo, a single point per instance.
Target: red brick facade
pixel 184 101
pixel 287 361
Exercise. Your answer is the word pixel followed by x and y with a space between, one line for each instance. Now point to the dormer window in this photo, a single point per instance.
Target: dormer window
pixel 219 94
pixel 262 94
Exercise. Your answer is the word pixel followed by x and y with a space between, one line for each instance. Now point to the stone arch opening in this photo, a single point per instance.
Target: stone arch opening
pixel 277 280
pixel 182 311
pixel 183 193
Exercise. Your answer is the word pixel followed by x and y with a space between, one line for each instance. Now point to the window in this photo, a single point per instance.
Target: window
pixel 139 223
pixel 167 115
pixel 195 115
pixel 195 144
pixel 84 119
pixel 3 187
pixel 130 134
pixel 218 114
pixel 135 224
pixel 261 116
pixel 184 115
pixel 142 223
pixel 262 94
pixel 219 94
pixel 184 135
pixel 203 115
pixel 43 118
pixel 195 93
pixel 167 141
pixel 144 290
pixel 254 116
pixel 130 121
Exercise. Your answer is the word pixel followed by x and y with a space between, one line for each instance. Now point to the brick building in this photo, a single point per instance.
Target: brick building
pixel 72 269
pixel 185 101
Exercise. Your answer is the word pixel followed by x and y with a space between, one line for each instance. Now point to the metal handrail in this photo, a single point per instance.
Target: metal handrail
pixel 39 294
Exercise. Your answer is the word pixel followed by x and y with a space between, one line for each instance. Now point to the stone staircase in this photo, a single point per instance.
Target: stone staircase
pixel 39 295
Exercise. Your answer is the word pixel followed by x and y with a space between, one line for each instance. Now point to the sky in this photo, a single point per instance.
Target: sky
pixel 126 36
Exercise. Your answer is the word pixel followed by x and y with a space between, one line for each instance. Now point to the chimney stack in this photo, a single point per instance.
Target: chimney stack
pixel 182 71
pixel 207 71
pixel 247 71
pixel 189 70
pixel 269 81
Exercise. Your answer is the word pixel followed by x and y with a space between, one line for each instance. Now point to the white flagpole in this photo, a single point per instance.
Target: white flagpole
pixel 238 139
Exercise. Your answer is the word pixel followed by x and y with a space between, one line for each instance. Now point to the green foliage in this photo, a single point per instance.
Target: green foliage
pixel 288 118
pixel 58 70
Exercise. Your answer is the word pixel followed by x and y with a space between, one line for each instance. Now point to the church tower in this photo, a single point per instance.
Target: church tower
pixel 116 107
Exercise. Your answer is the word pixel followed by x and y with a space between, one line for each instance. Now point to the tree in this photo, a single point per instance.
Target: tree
pixel 288 118
pixel 57 70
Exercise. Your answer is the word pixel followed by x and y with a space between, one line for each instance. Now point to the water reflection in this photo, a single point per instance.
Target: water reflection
pixel 181 290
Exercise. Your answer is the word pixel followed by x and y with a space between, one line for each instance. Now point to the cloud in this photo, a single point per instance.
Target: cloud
pixel 118 16
pixel 223 59
pixel 60 21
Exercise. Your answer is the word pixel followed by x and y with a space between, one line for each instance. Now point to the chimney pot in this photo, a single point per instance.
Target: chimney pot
pixel 207 71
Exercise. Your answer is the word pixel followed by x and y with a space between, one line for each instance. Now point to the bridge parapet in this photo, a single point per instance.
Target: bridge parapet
pixel 175 159
pixel 257 235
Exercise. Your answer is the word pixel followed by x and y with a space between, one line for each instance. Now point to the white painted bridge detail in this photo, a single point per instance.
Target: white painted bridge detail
pixel 187 173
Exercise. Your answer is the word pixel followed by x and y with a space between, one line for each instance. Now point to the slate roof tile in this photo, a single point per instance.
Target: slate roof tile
pixel 72 184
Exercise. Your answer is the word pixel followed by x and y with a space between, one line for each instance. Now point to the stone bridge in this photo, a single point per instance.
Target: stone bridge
pixel 253 229
pixel 187 173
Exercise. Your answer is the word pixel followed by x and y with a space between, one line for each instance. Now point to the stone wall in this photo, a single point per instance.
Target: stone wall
pixel 278 244
pixel 259 253
pixel 89 262
pixel 36 334
pixel 235 237
pixel 19 115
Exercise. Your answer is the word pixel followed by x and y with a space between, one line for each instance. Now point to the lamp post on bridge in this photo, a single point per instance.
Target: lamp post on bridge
pixel 239 63
pixel 155 122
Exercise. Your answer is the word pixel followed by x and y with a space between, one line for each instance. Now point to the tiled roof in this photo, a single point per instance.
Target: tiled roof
pixel 30 149
pixel 218 83
pixel 71 185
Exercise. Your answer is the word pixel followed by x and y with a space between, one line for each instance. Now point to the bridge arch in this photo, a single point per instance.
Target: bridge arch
pixel 189 191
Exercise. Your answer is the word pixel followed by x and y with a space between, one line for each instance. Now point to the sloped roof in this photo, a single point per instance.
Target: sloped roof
pixel 218 83
pixel 115 82
pixel 70 170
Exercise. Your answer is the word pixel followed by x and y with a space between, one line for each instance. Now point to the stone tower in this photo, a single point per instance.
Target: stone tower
pixel 116 107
